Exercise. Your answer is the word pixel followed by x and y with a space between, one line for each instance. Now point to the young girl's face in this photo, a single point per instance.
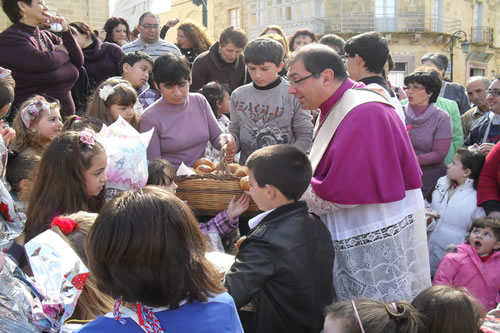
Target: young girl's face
pixel 483 240
pixel 126 111
pixel 223 106
pixel 456 171
pixel 333 325
pixel 170 185
pixel 95 178
pixel 48 126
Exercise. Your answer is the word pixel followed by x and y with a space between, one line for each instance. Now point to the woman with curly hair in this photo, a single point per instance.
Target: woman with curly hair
pixel 192 40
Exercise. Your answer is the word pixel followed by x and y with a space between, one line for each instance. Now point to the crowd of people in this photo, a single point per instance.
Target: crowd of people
pixel 380 205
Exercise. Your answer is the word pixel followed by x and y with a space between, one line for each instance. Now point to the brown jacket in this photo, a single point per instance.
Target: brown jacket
pixel 209 66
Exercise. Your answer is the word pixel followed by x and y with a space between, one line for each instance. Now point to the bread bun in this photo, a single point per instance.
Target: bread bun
pixel 233 167
pixel 241 172
pixel 203 169
pixel 245 183
pixel 203 161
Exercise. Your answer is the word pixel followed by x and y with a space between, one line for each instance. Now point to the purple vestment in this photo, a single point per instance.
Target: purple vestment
pixel 370 159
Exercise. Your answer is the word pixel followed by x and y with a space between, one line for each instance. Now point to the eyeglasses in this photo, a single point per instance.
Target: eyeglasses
pixel 151 26
pixel 296 82
pixel 493 92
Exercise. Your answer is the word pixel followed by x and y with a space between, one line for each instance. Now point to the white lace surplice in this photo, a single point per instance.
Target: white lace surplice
pixel 380 249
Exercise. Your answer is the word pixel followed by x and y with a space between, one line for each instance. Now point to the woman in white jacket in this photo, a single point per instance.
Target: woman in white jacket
pixel 455 202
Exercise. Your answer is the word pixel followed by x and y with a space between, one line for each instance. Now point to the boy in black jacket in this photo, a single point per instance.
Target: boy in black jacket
pixel 285 264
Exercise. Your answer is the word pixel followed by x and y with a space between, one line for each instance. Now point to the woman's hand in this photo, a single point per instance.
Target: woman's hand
pixel 228 139
pixel 60 20
pixel 102 35
pixel 172 22
pixel 61 47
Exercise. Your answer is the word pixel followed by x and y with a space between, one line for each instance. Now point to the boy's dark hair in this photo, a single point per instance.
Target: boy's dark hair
pixel 261 50
pixel 448 310
pixel 20 166
pixel 487 222
pixel 233 35
pixel 473 160
pixel 170 69
pixel 430 79
pixel 132 58
pixel 158 169
pixel 371 47
pixel 317 58
pixel 214 92
pixel 146 246
pixel 6 93
pixel 284 166
pixel 333 41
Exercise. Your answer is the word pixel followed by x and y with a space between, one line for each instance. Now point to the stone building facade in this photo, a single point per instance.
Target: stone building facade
pixel 94 12
pixel 412 27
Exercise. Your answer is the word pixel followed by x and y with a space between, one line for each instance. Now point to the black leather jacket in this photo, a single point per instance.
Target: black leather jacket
pixel 285 263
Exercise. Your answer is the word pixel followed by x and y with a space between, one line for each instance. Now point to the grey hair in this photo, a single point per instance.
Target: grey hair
pixel 484 79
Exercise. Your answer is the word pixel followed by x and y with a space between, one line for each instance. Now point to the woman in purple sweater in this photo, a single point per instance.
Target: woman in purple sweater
pixel 183 122
pixel 429 127
pixel 41 62
pixel 101 59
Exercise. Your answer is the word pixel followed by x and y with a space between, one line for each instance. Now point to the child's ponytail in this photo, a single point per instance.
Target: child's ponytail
pixel 370 316
pixel 404 316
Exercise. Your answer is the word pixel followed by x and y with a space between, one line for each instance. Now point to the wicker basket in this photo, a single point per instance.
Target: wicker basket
pixel 209 194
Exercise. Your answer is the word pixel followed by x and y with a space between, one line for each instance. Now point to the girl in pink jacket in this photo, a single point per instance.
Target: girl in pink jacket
pixel 476 265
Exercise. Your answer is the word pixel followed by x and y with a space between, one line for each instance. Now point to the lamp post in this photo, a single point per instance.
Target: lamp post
pixel 456 36
pixel 204 10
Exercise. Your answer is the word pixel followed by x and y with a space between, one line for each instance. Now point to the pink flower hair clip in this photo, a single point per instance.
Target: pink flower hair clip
pixel 88 136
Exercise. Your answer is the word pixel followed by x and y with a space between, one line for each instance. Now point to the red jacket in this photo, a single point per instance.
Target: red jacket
pixel 489 180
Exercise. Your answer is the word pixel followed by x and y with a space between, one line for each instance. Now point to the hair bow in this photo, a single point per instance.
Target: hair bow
pixel 32 111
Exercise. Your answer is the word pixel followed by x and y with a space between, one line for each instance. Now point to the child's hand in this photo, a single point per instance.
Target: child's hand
pixel 485 148
pixel 238 207
pixel 8 134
